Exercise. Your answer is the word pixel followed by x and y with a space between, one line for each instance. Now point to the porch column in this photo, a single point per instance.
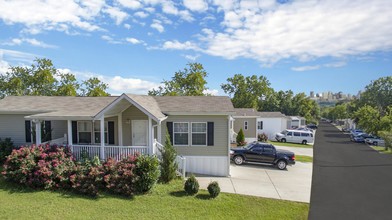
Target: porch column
pixel 69 128
pixel 120 132
pixel 150 137
pixel 159 130
pixel 38 132
pixel 102 130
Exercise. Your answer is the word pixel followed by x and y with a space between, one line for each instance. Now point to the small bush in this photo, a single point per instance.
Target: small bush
pixel 191 185
pixel 87 180
pixel 213 189
pixel 168 163
pixel 6 147
pixel 240 138
pixel 262 137
pixel 147 172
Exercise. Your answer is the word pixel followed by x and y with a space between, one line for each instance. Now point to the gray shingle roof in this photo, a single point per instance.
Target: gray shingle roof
pixel 250 112
pixel 56 106
pixel 193 104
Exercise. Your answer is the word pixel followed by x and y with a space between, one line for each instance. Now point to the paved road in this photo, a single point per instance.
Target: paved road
pixel 350 180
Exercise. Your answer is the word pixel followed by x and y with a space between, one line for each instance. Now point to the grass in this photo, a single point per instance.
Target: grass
pixel 303 158
pixel 277 143
pixel 164 202
pixel 382 150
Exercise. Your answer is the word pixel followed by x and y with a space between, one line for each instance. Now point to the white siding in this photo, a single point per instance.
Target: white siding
pixel 271 126
pixel 13 126
pixel 215 166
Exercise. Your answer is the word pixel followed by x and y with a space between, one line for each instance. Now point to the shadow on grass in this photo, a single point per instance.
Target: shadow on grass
pixel 179 193
pixel 203 196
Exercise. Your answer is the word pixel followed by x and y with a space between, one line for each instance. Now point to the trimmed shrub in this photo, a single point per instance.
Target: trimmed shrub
pixel 6 147
pixel 168 162
pixel 240 138
pixel 87 180
pixel 262 137
pixel 213 189
pixel 191 185
pixel 147 172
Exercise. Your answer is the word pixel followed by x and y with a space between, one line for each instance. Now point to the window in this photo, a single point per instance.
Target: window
pixel 199 133
pixel 257 149
pixel 260 125
pixel 97 132
pixel 289 133
pixel 180 133
pixel 297 134
pixel 84 132
pixel 305 134
pixel 245 125
pixel 268 148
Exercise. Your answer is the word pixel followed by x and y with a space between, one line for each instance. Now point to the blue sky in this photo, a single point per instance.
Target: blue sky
pixel 132 45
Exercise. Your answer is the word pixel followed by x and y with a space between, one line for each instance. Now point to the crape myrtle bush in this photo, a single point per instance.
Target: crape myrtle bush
pixel 51 167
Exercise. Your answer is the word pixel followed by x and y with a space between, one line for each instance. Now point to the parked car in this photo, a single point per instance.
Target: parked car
pixel 262 153
pixel 312 126
pixel 375 141
pixel 356 131
pixel 346 129
pixel 295 136
pixel 360 137
pixel 304 129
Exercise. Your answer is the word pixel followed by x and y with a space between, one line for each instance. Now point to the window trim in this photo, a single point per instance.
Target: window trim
pixel 99 132
pixel 206 132
pixel 174 136
pixel 246 125
pixel 91 132
pixel 262 123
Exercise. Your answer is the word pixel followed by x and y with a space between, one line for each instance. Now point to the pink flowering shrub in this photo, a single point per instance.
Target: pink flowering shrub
pixel 87 179
pixel 38 166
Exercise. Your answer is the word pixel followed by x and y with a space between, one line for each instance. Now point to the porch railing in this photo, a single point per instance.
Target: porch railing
pixel 181 168
pixel 116 152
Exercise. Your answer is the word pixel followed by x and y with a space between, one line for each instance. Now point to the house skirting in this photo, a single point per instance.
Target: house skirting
pixel 208 165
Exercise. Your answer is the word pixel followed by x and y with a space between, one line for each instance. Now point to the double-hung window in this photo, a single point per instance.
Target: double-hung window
pixel 84 132
pixel 260 125
pixel 199 133
pixel 97 132
pixel 245 125
pixel 180 133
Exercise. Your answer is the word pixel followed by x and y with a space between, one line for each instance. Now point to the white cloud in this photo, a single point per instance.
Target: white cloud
pixel 129 85
pixel 213 92
pixel 17 56
pixel 305 68
pixel 133 40
pixel 176 45
pixel 116 14
pixel 303 30
pixel 51 14
pixel 157 25
pixel 127 26
pixel 196 5
pixel 336 64
pixel 132 4
pixel 4 66
pixel 110 40
pixel 191 57
pixel 31 41
pixel 141 14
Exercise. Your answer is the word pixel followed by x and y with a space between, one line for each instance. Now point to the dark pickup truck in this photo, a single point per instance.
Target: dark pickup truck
pixel 262 153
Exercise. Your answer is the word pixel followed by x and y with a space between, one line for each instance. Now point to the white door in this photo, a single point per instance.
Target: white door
pixel 139 132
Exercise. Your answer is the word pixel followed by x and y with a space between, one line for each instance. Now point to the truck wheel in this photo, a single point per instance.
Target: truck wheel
pixel 304 142
pixel 281 164
pixel 238 160
pixel 283 140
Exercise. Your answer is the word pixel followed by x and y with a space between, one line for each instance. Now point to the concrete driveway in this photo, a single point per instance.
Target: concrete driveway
pixel 266 181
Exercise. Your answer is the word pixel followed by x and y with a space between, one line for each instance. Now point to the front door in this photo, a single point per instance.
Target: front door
pixel 139 132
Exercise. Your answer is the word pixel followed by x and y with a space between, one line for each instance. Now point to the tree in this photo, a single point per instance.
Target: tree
pixel 369 119
pixel 69 86
pixel 378 94
pixel 189 82
pixel 94 87
pixel 168 163
pixel 247 91
pixel 240 139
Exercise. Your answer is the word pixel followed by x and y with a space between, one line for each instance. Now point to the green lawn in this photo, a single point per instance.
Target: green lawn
pixel 277 143
pixel 382 149
pixel 303 158
pixel 164 202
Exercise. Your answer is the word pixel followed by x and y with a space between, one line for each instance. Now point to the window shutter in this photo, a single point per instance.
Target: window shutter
pixel 210 133
pixel 28 131
pixel 169 126
pixel 74 132
pixel 111 132
pixel 48 130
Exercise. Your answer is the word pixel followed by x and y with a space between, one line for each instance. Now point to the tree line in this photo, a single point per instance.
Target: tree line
pixel 255 91
pixel 43 79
